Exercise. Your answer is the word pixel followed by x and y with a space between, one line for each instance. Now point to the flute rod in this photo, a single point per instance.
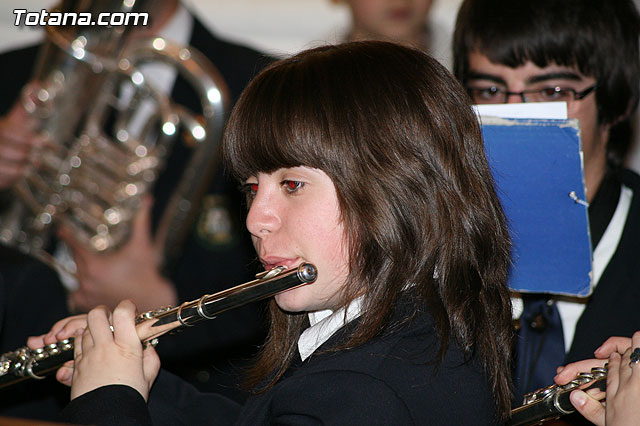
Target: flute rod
pixel 25 363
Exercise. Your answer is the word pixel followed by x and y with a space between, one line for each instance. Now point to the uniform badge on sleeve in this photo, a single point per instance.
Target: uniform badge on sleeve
pixel 215 226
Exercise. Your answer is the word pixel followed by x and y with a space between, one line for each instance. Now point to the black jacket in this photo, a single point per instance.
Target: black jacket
pixel 391 380
pixel 612 309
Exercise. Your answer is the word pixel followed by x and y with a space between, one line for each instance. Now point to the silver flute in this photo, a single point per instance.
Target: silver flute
pixel 25 363
pixel 553 402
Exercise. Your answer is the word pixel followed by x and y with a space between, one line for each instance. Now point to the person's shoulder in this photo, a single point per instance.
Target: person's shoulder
pixel 405 363
pixel 237 63
pixel 28 51
pixel 630 179
pixel 19 63
pixel 17 68
pixel 386 387
pixel 212 44
pixel 452 389
pixel 338 396
pixel 626 250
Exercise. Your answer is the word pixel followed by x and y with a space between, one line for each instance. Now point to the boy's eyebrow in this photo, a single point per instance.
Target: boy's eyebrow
pixel 558 75
pixel 482 76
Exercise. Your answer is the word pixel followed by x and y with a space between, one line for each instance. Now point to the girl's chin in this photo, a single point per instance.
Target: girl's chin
pixel 303 299
pixel 299 300
pixel 290 303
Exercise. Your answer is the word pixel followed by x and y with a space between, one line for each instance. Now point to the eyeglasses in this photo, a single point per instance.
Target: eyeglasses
pixel 497 95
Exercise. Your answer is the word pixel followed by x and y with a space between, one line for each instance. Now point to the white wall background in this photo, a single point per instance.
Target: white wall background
pixel 279 27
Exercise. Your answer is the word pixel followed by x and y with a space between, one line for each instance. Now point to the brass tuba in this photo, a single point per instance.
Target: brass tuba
pixel 110 148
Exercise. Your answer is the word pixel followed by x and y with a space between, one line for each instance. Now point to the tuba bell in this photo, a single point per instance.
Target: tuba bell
pixel 112 132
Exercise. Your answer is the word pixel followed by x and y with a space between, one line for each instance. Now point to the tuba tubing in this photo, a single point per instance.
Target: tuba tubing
pixel 109 149
pixel 25 363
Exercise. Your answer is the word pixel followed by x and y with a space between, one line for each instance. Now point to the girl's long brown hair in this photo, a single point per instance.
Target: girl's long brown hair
pixel 397 136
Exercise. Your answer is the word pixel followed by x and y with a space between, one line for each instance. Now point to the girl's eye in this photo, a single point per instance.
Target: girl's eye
pixel 249 190
pixel 292 185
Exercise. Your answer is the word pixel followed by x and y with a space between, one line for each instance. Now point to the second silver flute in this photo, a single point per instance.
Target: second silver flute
pixel 27 363
pixel 553 402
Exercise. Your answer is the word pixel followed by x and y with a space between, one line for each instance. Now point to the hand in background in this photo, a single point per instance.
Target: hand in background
pixel 623 388
pixel 130 272
pixel 104 357
pixel 623 384
pixel 18 144
pixel 612 344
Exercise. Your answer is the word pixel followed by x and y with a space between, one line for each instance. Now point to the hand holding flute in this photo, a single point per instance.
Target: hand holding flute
pixel 623 384
pixel 614 377
pixel 104 357
pixel 106 344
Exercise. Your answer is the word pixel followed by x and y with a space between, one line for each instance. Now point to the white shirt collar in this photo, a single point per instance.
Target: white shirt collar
pixel 324 324
pixel 179 27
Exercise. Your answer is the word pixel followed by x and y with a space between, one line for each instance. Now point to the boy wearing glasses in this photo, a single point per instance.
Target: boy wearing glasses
pixel 584 52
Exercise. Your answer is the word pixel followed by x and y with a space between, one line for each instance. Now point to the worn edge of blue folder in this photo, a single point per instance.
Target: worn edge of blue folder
pixel 538 168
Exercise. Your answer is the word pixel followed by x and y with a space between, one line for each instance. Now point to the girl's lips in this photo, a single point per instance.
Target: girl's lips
pixel 400 14
pixel 272 262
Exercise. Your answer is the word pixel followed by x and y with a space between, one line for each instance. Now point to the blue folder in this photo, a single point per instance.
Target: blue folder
pixel 537 165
